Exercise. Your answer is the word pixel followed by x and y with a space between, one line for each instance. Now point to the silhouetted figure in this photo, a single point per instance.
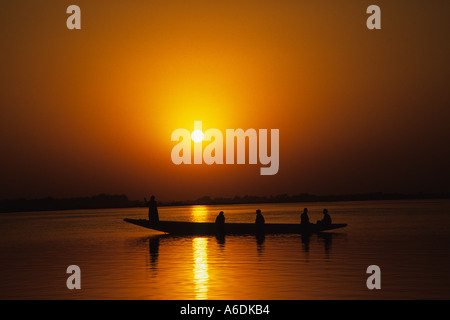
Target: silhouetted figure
pixel 220 219
pixel 259 218
pixel 220 223
pixel 326 220
pixel 304 219
pixel 152 209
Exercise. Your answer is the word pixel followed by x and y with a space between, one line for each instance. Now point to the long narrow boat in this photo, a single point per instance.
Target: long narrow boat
pixel 206 228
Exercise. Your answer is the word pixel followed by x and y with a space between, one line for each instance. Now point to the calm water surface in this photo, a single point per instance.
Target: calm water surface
pixel 409 240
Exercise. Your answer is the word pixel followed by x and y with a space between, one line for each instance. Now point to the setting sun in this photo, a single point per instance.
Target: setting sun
pixel 197 136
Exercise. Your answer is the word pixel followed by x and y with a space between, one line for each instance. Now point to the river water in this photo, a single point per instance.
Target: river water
pixel 408 240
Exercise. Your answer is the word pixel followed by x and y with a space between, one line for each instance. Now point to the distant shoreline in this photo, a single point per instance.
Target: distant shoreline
pixel 104 201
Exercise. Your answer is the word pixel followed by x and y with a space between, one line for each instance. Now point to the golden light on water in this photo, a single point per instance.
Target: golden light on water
pixel 200 267
pixel 199 214
pixel 200 256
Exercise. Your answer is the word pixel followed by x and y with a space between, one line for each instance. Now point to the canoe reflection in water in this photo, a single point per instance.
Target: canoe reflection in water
pixel 206 266
pixel 169 242
pixel 324 237
pixel 153 248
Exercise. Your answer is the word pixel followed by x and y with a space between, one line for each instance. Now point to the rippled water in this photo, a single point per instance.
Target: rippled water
pixel 409 240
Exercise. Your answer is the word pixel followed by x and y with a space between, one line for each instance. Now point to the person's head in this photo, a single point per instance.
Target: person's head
pixel 152 198
pixel 258 211
pixel 305 210
pixel 325 211
pixel 221 213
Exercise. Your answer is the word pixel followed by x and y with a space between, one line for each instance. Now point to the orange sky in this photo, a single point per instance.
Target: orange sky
pixel 91 111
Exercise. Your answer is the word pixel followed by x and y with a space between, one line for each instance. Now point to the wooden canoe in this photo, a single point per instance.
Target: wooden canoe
pixel 206 228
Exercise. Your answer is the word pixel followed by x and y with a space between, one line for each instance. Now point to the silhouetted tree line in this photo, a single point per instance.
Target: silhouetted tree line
pixel 49 204
pixel 102 201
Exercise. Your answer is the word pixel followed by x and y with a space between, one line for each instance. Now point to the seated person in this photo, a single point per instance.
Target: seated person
pixel 326 220
pixel 220 219
pixel 259 218
pixel 304 219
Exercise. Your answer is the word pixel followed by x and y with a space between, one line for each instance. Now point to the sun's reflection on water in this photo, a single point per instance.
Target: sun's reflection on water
pixel 200 267
pixel 199 214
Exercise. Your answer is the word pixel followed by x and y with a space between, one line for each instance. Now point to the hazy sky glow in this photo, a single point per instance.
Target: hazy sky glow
pixel 92 111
